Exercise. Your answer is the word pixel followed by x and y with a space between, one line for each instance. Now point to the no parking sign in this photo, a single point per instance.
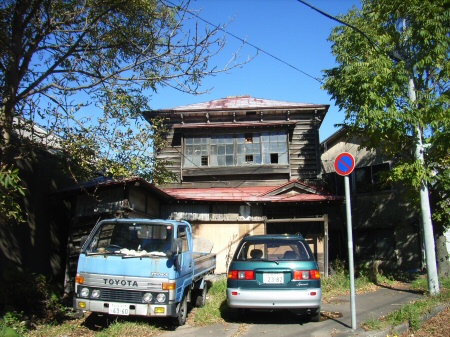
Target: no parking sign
pixel 344 164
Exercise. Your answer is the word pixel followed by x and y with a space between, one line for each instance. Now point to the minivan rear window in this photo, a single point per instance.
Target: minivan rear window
pixel 273 250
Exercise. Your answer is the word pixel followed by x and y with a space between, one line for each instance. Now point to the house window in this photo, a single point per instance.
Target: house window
pixel 222 150
pixel 363 180
pixel 367 179
pixel 236 149
pixel 274 148
pixel 370 178
pixel 248 149
pixel 195 149
pixel 378 181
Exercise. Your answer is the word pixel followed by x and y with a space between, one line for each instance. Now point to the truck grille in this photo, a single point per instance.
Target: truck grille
pixel 121 296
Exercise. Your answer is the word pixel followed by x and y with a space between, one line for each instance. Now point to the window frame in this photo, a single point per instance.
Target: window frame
pixel 248 149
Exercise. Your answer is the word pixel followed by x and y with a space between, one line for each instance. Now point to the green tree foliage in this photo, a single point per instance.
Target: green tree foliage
pixel 398 39
pixel 85 71
pixel 10 191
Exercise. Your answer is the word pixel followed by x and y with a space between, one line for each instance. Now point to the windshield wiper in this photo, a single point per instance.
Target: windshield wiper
pixel 107 252
pixel 267 260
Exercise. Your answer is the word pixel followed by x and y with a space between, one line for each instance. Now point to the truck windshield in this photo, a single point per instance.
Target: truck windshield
pixel 130 238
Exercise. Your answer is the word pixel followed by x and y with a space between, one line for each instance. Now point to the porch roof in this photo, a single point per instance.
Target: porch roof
pixel 293 191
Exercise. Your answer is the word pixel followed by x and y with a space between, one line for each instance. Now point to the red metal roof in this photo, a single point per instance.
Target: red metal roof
pixel 245 103
pixel 246 194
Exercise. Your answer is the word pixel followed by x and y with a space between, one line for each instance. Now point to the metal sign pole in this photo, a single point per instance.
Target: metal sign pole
pixel 350 251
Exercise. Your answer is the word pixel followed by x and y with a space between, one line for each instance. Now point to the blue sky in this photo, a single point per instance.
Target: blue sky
pixel 287 29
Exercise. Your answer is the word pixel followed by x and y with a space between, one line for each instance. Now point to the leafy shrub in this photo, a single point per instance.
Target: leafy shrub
pixel 30 294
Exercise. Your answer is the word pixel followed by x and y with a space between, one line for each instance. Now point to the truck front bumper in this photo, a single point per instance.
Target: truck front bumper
pixel 134 309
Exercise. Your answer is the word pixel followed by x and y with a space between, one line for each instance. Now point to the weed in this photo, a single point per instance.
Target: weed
pixel 373 324
pixel 12 320
pixel 413 312
pixel 128 329
pixel 212 311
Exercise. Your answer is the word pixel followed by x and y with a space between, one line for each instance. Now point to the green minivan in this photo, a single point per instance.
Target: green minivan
pixel 274 272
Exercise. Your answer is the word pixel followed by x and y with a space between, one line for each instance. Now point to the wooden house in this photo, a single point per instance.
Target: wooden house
pixel 246 165
pixel 386 225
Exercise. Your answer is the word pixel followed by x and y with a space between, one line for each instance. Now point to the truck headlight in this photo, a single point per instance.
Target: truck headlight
pixel 95 293
pixel 147 298
pixel 161 298
pixel 84 292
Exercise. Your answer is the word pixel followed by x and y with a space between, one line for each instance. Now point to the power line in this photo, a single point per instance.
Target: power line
pixel 258 48
pixel 393 55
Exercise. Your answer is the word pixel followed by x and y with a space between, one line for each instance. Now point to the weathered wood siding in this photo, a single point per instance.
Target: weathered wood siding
pixel 304 157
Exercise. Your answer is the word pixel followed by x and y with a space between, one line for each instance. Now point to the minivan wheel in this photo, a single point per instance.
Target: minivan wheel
pixel 315 317
pixel 237 314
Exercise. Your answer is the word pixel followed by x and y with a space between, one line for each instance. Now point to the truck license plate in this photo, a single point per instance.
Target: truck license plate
pixel 119 309
pixel 274 278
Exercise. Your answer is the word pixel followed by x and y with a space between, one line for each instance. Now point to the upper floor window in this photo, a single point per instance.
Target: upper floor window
pixel 236 149
pixel 369 179
pixel 365 179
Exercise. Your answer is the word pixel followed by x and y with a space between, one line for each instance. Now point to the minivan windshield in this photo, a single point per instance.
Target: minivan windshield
pixel 114 237
pixel 273 250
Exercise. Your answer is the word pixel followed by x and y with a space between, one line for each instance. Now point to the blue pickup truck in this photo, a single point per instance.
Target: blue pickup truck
pixel 141 267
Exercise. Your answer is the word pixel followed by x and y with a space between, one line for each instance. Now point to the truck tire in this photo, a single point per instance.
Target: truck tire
pixel 200 296
pixel 182 309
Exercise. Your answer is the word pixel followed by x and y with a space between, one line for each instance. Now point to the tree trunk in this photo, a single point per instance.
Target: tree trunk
pixel 442 256
pixel 6 124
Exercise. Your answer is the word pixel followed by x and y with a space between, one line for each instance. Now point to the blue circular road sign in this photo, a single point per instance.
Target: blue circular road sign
pixel 344 164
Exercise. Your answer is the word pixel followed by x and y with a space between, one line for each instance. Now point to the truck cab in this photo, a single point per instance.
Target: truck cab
pixel 139 267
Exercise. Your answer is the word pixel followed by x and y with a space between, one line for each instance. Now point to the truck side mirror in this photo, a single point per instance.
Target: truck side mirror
pixel 83 240
pixel 176 247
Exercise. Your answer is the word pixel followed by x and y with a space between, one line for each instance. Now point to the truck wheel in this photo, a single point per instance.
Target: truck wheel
pixel 200 296
pixel 182 309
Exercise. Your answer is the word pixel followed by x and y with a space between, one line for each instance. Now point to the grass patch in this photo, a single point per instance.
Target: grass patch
pixel 213 310
pixel 374 324
pixel 128 329
pixel 413 312
pixel 339 282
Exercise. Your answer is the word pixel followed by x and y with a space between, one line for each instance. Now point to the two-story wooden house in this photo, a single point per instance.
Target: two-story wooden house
pixel 247 166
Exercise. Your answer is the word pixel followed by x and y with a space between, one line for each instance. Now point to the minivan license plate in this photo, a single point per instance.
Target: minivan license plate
pixel 119 309
pixel 273 278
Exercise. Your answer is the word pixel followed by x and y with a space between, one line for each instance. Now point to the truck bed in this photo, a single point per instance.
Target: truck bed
pixel 204 263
